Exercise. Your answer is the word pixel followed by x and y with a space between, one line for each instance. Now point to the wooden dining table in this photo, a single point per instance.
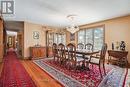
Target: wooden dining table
pixel 84 52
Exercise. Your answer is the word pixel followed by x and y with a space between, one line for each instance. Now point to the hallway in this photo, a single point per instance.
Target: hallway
pixel 13 73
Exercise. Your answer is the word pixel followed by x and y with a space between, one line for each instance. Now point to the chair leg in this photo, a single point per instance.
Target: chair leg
pixel 54 58
pixel 100 71
pixel 126 63
pixel 92 66
pixel 108 60
pixel 104 69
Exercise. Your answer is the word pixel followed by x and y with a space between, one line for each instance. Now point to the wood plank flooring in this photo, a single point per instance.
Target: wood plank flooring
pixel 40 77
pixel 1 67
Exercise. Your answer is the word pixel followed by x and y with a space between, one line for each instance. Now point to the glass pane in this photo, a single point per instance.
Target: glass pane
pixel 59 38
pixel 81 36
pixel 50 39
pixel 89 36
pixel 98 38
pixel 55 38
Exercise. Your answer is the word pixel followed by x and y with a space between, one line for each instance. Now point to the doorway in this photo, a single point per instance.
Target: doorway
pixel 15 36
pixel 11 40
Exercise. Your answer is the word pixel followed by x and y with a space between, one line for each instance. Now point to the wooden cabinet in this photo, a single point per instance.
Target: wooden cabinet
pixel 50 52
pixel 120 56
pixel 54 37
pixel 37 52
pixel 1 40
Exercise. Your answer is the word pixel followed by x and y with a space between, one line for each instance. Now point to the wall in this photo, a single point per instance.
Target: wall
pixel 14 25
pixel 20 43
pixel 29 28
pixel 116 29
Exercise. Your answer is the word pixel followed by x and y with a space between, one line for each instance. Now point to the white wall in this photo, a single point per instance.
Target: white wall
pixel 29 28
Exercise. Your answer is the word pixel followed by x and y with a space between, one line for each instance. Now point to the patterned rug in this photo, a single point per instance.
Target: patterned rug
pixel 127 79
pixel 86 78
pixel 13 73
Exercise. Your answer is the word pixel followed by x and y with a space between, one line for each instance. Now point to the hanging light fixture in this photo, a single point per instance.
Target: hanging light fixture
pixel 73 27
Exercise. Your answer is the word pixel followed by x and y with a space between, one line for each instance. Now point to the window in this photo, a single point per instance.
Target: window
pixel 81 35
pixel 94 36
pixel 98 38
pixel 88 36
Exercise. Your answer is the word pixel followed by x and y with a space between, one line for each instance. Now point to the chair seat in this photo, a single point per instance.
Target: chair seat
pixel 94 60
pixel 87 56
pixel 79 59
pixel 67 57
pixel 79 55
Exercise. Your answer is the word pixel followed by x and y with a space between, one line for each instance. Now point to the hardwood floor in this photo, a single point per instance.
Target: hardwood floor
pixel 40 77
pixel 1 67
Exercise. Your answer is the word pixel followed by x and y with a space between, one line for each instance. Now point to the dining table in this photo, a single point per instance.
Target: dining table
pixel 84 52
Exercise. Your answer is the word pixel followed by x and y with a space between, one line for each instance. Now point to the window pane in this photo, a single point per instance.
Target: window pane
pixel 89 36
pixel 81 36
pixel 50 39
pixel 98 38
pixel 94 36
pixel 59 38
pixel 55 38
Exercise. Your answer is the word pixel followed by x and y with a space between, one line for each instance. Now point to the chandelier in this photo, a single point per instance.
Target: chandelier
pixel 73 27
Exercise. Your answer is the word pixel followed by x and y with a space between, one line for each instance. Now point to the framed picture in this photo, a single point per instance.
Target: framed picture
pixel 10 40
pixel 35 35
pixel 72 37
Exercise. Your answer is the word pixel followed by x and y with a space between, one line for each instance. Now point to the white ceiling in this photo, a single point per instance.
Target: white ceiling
pixel 54 12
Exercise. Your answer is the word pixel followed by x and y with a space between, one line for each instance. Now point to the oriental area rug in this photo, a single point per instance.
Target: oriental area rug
pixel 13 72
pixel 88 78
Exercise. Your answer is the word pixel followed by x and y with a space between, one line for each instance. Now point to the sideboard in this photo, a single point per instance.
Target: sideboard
pixel 37 52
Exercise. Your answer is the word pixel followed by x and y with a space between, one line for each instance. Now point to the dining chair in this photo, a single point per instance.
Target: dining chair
pixel 73 61
pixel 89 47
pixel 55 51
pixel 94 60
pixel 61 53
pixel 80 46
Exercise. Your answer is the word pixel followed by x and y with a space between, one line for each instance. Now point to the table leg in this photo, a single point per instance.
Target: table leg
pixel 85 67
pixel 126 62
pixel 109 59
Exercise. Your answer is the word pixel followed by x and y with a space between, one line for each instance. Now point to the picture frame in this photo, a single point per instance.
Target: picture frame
pixel 35 35
pixel 10 42
pixel 72 37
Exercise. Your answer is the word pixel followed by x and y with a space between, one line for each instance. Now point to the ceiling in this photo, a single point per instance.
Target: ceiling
pixel 54 12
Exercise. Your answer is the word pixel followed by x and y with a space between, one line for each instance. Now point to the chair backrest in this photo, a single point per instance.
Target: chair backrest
pixel 54 49
pixel 71 51
pixel 89 46
pixel 61 51
pixel 103 52
pixel 80 46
